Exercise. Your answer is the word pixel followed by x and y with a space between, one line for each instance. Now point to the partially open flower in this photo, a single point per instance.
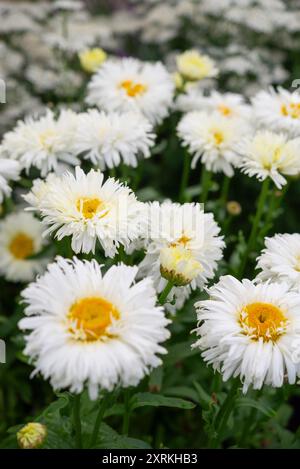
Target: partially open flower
pixel 195 66
pixel 233 208
pixel 178 265
pixel 32 435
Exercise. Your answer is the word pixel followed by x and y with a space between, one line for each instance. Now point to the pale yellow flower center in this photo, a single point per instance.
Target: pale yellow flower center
pixel 46 139
pixel 133 88
pixel 291 110
pixel 21 246
pixel 263 320
pixel 90 318
pixel 218 137
pixel 297 264
pixel 89 207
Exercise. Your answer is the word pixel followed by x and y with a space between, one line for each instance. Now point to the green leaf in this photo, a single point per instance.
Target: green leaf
pixel 156 400
pixel 248 402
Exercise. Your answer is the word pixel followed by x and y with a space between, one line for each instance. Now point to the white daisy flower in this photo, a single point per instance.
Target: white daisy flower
pixel 43 143
pixel 278 110
pixel 21 238
pixel 212 138
pixel 9 171
pixel 181 226
pixel 131 85
pixel 91 329
pixel 268 154
pixel 87 208
pixel 195 66
pixel 109 139
pixel 251 331
pixel 280 260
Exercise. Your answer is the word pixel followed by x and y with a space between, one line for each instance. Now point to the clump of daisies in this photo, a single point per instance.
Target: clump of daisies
pixel 213 138
pixel 268 154
pixel 194 66
pixel 87 208
pixel 132 85
pixel 183 246
pixel 44 143
pixel 102 330
pixel 9 171
pixel 109 139
pixel 280 260
pixel 20 240
pixel 278 110
pixel 251 331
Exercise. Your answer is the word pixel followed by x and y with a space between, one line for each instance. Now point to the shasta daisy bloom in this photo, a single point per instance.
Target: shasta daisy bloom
pixel 183 243
pixel 131 85
pixel 280 260
pixel 92 329
pixel 92 59
pixel 9 171
pixel 251 331
pixel 268 154
pixel 43 143
pixel 88 209
pixel 20 239
pixel 195 66
pixel 109 139
pixel 212 138
pixel 278 110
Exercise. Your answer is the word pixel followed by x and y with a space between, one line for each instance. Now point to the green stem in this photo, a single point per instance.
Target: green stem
pixel 164 294
pixel 126 416
pixel 259 211
pixel 224 190
pixel 99 418
pixel 224 413
pixel 185 176
pixel 77 421
pixel 206 178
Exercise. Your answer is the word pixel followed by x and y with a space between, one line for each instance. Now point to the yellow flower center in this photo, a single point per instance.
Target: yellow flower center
pixel 218 137
pixel 297 264
pixel 225 110
pixel 21 246
pixel 89 207
pixel 263 320
pixel 132 88
pixel 46 139
pixel 291 110
pixel 182 240
pixel 91 317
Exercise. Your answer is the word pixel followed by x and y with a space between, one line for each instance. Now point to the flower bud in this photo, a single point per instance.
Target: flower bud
pixel 194 66
pixel 233 208
pixel 178 265
pixel 31 435
pixel 91 59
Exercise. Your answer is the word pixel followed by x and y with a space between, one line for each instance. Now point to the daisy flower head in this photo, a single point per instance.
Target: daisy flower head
pixel 280 260
pixel 230 105
pixel 92 329
pixel 9 171
pixel 212 138
pixel 268 154
pixel 88 209
pixel 107 139
pixel 183 245
pixel 251 331
pixel 195 66
pixel 278 110
pixel 92 59
pixel 131 85
pixel 20 239
pixel 44 143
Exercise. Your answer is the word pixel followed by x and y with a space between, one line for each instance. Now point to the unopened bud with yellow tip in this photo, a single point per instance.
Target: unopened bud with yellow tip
pixel 92 59
pixel 233 208
pixel 31 435
pixel 178 265
pixel 194 66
